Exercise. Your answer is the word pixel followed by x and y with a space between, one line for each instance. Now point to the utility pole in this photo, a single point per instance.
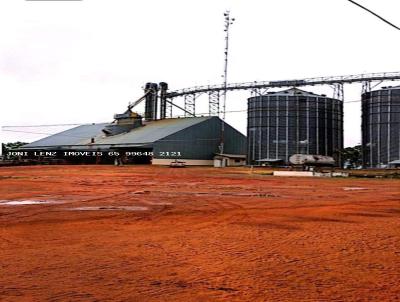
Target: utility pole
pixel 228 22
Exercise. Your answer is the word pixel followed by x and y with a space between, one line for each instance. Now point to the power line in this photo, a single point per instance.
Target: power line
pixel 67 135
pixel 45 133
pixel 175 116
pixel 376 15
pixel 50 125
pixel 352 102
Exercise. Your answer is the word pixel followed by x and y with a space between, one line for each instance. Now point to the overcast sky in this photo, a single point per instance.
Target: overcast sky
pixel 82 61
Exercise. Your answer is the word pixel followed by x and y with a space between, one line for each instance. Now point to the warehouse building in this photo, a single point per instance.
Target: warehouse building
pixel 194 140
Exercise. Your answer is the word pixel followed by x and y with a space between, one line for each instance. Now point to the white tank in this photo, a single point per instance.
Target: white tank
pixel 311 160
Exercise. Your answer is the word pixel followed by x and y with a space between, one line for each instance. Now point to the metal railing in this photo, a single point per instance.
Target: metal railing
pixel 368 77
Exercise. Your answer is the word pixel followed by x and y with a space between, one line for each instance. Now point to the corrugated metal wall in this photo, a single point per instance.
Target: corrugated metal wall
pixel 282 125
pixel 201 141
pixel 381 127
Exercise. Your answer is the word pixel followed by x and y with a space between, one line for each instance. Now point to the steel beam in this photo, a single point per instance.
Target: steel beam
pixel 168 108
pixel 338 92
pixel 366 87
pixel 213 103
pixel 190 104
pixel 371 77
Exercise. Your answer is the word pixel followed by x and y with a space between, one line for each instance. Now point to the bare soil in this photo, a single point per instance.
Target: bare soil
pixel 145 233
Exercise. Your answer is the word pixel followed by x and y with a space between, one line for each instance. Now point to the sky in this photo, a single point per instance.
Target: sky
pixel 76 62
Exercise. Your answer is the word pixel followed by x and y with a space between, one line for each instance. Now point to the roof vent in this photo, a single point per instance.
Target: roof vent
pixel 124 122
pixel 106 131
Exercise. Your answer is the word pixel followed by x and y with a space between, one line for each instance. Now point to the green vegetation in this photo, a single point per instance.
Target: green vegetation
pixel 352 156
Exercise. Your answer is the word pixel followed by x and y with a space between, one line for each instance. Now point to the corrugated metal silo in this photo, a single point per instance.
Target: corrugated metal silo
pixel 293 121
pixel 381 127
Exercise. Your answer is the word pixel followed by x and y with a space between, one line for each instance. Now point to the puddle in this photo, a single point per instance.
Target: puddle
pixel 24 202
pixel 110 208
pixel 353 189
pixel 214 193
pixel 140 192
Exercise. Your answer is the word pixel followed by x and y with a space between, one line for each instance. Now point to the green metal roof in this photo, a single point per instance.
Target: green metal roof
pixel 149 133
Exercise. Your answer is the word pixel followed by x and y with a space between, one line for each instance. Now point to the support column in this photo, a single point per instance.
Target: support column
pixel 163 99
pixel 366 87
pixel 338 92
pixel 190 104
pixel 213 103
pixel 168 108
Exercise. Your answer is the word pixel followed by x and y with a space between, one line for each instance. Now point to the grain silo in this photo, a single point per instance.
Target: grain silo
pixel 381 127
pixel 293 121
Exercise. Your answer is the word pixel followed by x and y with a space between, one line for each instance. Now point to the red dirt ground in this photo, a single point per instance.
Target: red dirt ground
pixel 207 235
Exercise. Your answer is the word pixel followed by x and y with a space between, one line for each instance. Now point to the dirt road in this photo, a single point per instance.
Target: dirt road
pixel 142 233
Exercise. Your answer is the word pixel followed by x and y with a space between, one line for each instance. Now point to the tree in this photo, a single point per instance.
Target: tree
pixel 15 145
pixel 10 146
pixel 352 156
